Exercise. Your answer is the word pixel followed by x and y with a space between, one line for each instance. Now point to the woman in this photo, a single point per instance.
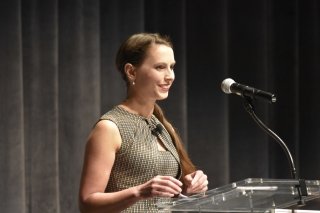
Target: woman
pixel 133 155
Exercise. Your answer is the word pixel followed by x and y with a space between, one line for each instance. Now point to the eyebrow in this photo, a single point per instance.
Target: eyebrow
pixel 160 63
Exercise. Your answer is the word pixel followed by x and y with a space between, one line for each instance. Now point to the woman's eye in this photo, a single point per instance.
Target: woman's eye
pixel 164 67
pixel 160 67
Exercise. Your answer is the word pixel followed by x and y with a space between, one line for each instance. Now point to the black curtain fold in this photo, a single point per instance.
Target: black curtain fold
pixel 57 77
pixel 207 65
pixel 248 38
pixel 309 66
pixel 40 92
pixel 12 168
pixel 79 91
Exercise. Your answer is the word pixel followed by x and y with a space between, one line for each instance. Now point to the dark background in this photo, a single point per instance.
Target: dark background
pixel 57 76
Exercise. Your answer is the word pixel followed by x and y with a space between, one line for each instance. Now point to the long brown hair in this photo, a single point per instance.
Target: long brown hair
pixel 186 164
pixel 134 51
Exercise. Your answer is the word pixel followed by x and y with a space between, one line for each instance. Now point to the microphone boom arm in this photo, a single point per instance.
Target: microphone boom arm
pixel 301 187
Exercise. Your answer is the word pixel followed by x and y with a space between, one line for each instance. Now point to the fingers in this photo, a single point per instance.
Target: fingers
pixel 197 176
pixel 162 186
pixel 196 182
pixel 201 187
pixel 189 178
pixel 166 186
pixel 199 181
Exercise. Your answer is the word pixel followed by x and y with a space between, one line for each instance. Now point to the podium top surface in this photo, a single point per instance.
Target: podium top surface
pixel 249 195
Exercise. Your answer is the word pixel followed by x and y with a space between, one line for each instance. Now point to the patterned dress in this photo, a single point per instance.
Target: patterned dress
pixel 138 159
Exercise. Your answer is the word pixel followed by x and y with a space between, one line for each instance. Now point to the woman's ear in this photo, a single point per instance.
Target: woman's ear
pixel 130 71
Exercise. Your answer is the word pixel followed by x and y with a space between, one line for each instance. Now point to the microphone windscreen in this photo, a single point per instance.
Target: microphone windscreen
pixel 226 84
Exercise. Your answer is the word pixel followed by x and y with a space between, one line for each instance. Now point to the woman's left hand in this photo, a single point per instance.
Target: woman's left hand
pixel 196 182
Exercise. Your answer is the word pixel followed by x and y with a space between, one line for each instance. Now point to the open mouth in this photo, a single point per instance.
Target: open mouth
pixel 165 87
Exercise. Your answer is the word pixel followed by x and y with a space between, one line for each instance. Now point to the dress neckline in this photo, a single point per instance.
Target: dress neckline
pixel 122 109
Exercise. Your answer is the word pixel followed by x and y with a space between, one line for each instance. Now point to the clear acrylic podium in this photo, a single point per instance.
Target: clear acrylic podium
pixel 249 195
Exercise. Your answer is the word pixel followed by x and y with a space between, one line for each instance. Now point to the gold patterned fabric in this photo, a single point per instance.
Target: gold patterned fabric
pixel 138 159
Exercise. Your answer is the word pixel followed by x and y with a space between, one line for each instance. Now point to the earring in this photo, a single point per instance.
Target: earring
pixel 133 83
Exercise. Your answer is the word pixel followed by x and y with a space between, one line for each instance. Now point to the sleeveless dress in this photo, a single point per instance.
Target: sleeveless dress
pixel 138 159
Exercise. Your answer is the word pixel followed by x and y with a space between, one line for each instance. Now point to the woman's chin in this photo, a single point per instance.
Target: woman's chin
pixel 162 96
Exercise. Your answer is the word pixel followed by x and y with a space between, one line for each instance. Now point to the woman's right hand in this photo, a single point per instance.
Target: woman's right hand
pixel 160 186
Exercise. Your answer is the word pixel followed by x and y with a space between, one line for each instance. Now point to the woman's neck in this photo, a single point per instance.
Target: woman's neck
pixel 138 107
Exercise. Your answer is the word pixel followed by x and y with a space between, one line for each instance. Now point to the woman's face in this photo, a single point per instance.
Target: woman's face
pixel 155 75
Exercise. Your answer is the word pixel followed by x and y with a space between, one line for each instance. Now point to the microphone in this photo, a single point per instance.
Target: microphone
pixel 157 130
pixel 229 86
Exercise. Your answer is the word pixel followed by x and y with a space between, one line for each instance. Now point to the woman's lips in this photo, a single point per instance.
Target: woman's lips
pixel 165 87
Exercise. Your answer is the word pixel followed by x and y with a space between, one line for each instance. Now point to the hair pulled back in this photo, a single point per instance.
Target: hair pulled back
pixel 134 50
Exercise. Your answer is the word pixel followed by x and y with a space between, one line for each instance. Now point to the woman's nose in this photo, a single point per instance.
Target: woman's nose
pixel 170 74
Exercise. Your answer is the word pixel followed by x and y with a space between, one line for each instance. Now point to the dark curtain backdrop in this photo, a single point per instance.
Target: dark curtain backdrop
pixel 57 76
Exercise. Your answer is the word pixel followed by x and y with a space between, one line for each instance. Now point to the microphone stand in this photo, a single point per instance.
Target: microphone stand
pixel 301 187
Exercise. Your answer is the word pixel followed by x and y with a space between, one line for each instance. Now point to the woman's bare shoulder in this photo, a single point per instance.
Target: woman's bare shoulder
pixel 105 131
